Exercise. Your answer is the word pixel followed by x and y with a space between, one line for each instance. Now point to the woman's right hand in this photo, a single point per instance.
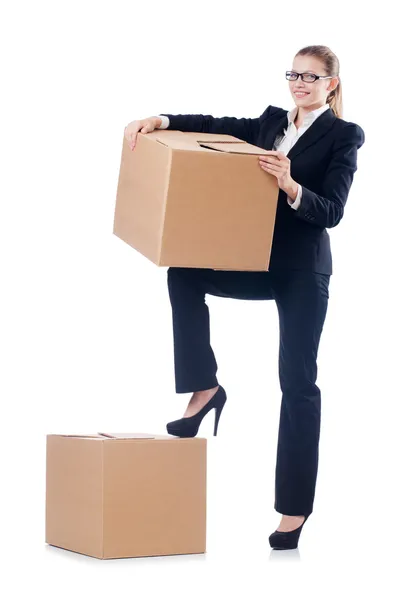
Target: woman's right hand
pixel 144 126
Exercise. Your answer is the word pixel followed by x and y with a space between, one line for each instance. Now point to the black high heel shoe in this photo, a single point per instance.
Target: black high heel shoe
pixel 286 540
pixel 189 426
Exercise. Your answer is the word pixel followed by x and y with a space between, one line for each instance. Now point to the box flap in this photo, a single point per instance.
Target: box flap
pixel 182 144
pixel 203 142
pixel 129 436
pixel 81 435
pixel 118 436
pixel 209 137
pixel 233 147
pixel 171 135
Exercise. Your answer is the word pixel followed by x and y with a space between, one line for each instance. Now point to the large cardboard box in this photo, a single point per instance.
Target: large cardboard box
pixel 126 495
pixel 196 200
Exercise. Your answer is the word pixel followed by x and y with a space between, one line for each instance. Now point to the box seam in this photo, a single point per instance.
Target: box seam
pixel 102 501
pixel 166 189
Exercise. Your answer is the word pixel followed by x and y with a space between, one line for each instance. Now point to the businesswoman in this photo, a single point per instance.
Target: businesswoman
pixel 312 152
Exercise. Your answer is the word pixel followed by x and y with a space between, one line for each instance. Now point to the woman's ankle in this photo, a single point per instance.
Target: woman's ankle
pixel 206 393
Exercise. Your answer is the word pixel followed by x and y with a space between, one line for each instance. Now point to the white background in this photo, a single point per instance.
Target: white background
pixel 86 331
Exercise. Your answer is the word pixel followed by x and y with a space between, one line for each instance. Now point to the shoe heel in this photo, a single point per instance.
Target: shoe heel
pixel 218 411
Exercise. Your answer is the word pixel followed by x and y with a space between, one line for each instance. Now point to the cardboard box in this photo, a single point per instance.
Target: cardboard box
pixel 126 495
pixel 196 200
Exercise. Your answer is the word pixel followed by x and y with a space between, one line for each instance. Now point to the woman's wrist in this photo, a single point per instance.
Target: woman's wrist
pixel 292 190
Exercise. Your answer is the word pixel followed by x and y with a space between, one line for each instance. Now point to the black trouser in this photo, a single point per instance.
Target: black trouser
pixel 302 300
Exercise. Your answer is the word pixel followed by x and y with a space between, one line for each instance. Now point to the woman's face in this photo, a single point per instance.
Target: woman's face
pixel 314 94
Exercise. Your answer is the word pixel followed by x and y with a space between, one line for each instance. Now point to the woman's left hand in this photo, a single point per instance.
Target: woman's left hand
pixel 279 165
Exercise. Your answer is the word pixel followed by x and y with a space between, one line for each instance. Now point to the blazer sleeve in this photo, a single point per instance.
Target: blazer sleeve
pixel 244 129
pixel 326 210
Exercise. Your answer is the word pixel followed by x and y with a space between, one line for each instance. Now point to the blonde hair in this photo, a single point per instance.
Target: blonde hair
pixel 331 66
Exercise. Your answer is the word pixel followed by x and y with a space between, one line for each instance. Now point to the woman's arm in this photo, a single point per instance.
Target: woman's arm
pixel 327 210
pixel 244 129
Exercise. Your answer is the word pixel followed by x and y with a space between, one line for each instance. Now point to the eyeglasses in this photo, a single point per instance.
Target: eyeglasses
pixel 307 77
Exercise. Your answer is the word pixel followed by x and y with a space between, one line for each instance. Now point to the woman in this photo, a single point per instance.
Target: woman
pixel 314 182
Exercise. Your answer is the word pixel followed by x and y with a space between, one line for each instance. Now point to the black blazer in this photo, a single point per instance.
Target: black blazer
pixel 323 161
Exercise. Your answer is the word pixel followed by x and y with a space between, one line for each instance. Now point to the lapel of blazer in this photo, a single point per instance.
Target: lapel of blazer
pixel 318 129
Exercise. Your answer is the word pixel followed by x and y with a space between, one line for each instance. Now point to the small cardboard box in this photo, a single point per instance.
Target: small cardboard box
pixel 196 200
pixel 126 495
